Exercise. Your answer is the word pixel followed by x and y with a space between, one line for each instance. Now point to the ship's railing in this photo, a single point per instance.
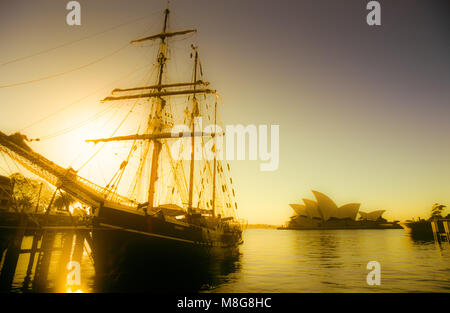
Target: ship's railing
pixel 106 193
pixel 235 225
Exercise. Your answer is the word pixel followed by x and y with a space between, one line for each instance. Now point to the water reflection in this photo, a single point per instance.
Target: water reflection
pixel 328 255
pixel 157 275
pixel 171 276
pixel 336 261
pixel 274 261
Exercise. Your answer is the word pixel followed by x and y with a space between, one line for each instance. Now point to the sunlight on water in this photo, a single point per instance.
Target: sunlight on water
pixel 312 261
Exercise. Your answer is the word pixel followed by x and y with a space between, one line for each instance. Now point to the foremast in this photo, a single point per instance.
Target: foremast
pixel 155 123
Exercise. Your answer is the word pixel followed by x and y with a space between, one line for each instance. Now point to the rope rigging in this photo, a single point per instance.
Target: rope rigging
pixel 79 100
pixel 77 125
pixel 117 128
pixel 65 72
pixel 75 41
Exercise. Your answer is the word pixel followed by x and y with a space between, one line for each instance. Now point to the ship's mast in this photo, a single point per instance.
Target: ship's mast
pixel 157 123
pixel 195 113
pixel 215 161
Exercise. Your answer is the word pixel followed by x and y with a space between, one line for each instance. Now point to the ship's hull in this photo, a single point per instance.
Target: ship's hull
pixel 134 252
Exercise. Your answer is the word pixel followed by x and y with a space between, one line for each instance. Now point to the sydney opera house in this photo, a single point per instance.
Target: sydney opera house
pixel 323 213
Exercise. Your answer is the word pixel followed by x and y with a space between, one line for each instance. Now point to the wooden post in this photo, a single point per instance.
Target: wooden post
pixel 46 251
pixel 42 268
pixel 67 243
pixel 90 243
pixel 434 228
pixel 446 229
pixel 12 256
pixel 34 245
pixel 79 246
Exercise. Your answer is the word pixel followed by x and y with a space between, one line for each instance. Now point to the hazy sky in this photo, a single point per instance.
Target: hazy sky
pixel 363 111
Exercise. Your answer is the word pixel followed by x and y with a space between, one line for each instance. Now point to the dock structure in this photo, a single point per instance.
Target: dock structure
pixel 441 234
pixel 54 238
pixel 54 234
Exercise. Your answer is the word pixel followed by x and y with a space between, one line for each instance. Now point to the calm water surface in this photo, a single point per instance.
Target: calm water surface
pixel 336 260
pixel 315 261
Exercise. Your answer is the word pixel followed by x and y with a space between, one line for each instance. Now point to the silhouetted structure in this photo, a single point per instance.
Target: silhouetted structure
pixel 325 214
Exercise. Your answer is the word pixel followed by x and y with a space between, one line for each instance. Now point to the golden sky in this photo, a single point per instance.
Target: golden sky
pixel 363 112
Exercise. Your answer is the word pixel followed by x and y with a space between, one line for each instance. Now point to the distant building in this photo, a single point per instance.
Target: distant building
pixel 325 213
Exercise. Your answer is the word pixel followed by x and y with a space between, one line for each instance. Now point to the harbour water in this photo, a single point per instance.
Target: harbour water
pixel 304 261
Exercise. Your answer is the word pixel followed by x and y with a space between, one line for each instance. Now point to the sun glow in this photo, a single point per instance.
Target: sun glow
pixel 69 290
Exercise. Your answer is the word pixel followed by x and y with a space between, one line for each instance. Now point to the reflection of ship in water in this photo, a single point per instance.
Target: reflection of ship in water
pixel 152 275
pixel 168 274
pixel 325 214
pixel 178 210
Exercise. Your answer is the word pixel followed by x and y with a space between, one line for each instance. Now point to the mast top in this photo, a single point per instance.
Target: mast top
pixel 161 64
pixel 164 34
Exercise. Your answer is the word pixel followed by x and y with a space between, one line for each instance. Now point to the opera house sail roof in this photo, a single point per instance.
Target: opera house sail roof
pixel 371 216
pixel 324 209
pixel 299 209
pixel 312 209
pixel 324 213
pixel 329 209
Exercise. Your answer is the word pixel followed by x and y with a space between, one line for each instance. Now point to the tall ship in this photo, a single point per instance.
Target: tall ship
pixel 179 210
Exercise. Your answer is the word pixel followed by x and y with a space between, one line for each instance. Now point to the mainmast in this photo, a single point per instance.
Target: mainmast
pixel 215 161
pixel 195 113
pixel 155 123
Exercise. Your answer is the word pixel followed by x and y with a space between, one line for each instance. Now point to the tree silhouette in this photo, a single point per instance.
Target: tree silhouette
pixel 436 211
pixel 29 193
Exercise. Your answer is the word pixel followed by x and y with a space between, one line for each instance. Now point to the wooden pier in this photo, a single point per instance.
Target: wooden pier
pixel 441 234
pixel 54 238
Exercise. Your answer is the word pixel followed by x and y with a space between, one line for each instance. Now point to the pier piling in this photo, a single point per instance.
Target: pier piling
pixel 55 241
pixel 12 256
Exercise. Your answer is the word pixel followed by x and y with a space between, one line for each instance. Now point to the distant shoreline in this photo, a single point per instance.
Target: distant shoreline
pixel 262 226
